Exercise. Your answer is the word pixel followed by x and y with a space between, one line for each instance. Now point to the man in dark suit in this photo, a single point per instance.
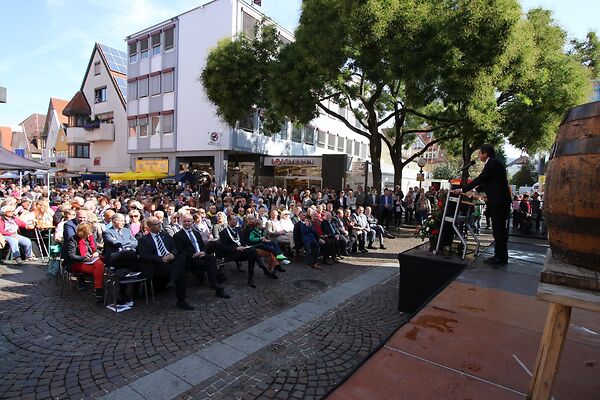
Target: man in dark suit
pixel 160 259
pixel 386 204
pixel 494 183
pixel 230 239
pixel 191 247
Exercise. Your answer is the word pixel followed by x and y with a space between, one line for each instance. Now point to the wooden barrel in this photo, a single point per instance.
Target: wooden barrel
pixel 572 190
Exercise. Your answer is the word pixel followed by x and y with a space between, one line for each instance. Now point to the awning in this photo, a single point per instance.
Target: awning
pixel 137 176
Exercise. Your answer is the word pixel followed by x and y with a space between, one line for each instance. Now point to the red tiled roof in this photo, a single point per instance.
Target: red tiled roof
pixel 59 105
pixel 6 137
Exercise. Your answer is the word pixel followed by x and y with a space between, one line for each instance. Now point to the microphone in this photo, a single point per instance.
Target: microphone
pixel 469 165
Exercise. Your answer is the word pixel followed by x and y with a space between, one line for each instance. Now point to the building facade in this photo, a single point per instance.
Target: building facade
pixel 96 135
pixel 53 135
pixel 173 126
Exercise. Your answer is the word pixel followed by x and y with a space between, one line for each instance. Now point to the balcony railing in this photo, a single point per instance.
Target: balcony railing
pixel 103 132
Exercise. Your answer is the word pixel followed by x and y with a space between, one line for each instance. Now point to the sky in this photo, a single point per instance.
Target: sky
pixel 45 45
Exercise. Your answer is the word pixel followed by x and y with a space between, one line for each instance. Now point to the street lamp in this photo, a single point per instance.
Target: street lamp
pixel 421 162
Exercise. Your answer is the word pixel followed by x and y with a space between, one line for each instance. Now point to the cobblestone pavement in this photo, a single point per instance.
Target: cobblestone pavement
pixel 53 347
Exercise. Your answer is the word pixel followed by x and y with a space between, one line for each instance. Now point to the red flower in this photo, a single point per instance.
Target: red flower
pixel 435 231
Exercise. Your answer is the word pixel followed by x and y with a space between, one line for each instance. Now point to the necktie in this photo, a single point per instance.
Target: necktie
pixel 193 240
pixel 161 246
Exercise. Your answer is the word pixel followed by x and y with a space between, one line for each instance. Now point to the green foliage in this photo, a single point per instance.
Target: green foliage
pixel 236 75
pixel 526 176
pixel 470 71
pixel 587 52
pixel 446 170
pixel 533 106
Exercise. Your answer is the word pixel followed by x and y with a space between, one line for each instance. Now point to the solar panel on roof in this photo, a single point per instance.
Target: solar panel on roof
pixel 116 59
pixel 122 84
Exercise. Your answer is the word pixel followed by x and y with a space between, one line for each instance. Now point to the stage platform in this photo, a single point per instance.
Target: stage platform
pixel 478 339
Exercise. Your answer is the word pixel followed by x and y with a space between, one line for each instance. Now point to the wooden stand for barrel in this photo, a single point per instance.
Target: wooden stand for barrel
pixel 572 189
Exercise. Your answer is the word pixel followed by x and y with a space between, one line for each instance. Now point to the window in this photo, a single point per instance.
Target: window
pixel 79 150
pixel 76 121
pixel 321 137
pixel 167 123
pixel 330 141
pixel 247 123
pixel 340 146
pixel 155 84
pixel 155 120
pixel 142 87
pixel 156 44
pixel 348 146
pixel 143 124
pixel 97 68
pixel 296 135
pixel 357 149
pixel 132 90
pixel 100 95
pixel 169 38
pixel 143 48
pixel 249 24
pixel 167 82
pixel 132 124
pixel 132 52
pixel 284 131
pixel 363 150
pixel 309 135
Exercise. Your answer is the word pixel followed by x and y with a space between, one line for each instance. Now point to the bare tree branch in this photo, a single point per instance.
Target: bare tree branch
pixel 345 121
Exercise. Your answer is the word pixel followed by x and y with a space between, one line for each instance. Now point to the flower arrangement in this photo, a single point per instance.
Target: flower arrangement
pixel 430 228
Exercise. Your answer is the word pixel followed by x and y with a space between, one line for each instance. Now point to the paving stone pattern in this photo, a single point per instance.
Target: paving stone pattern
pixel 70 348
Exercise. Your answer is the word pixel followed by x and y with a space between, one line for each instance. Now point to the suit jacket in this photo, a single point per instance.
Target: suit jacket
pixel 493 182
pixel 184 244
pixel 113 241
pixel 149 253
pixel 329 228
pixel 228 245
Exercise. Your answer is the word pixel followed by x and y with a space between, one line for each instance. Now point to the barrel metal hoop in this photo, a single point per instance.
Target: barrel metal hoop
pixel 586 145
pixel 585 260
pixel 577 225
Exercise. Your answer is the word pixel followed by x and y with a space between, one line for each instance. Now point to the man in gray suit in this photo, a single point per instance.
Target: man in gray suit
pixel 119 244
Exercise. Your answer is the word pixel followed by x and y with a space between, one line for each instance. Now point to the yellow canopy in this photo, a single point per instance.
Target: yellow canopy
pixel 137 176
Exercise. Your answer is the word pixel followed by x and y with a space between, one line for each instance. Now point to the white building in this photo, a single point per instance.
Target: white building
pixel 97 125
pixel 173 126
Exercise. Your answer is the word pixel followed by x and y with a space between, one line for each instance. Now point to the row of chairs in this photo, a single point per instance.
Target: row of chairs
pixel 114 279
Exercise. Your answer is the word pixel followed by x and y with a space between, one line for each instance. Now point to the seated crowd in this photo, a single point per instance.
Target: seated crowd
pixel 163 231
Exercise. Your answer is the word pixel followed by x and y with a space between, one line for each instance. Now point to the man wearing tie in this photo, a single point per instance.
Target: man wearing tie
pixel 372 200
pixel 190 246
pixel 386 208
pixel 160 260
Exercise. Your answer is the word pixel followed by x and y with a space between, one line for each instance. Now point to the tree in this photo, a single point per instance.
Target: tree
pixel 446 170
pixel 473 70
pixel 587 52
pixel 526 176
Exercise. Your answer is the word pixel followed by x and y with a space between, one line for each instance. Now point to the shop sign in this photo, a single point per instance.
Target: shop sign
pixel 214 139
pixel 285 161
pixel 161 166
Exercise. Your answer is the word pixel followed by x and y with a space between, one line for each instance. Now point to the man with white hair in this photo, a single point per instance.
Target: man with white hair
pixel 9 228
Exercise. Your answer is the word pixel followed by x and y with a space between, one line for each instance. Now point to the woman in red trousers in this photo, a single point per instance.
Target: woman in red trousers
pixel 83 257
